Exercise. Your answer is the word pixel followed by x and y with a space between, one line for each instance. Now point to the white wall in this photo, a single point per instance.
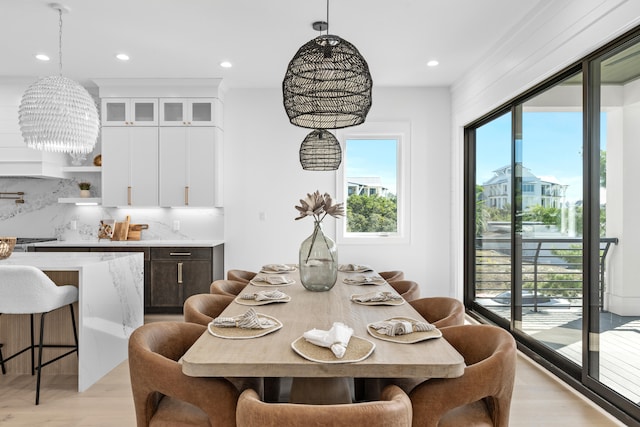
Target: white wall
pixel 263 175
pixel 548 40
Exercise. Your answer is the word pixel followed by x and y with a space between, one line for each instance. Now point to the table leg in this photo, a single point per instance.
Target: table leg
pixel 320 391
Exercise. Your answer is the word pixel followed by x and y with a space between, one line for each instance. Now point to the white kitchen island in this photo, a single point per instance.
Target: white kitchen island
pixel 110 305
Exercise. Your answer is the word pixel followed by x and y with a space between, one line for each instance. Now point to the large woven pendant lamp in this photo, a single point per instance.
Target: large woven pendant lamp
pixel 327 84
pixel 58 114
pixel 320 151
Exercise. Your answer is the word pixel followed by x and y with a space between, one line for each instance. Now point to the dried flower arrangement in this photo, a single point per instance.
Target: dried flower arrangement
pixel 84 185
pixel 318 206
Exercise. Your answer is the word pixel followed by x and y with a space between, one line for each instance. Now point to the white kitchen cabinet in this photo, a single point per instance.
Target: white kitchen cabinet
pixel 129 111
pixel 190 166
pixel 190 112
pixel 130 166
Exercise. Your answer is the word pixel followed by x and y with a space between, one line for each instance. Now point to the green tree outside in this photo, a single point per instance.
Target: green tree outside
pixel 371 214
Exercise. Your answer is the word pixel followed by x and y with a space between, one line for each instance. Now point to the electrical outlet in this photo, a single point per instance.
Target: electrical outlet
pixel 176 225
pixel 262 216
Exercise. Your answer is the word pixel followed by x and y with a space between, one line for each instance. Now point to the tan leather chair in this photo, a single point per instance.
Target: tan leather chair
pixel 392 276
pixel 240 275
pixel 162 394
pixel 230 288
pixel 482 395
pixel 393 409
pixel 203 308
pixel 440 311
pixel 408 289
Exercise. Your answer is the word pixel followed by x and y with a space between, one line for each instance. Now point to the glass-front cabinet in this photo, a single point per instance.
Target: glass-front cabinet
pixel 190 112
pixel 129 112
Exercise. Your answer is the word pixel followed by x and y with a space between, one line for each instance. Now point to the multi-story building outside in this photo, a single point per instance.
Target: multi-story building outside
pixel 366 186
pixel 544 191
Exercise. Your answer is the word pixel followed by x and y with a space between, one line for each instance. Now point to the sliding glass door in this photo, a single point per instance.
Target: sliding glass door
pixel 552 223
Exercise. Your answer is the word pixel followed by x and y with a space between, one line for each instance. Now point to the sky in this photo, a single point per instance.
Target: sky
pixel 551 142
pixel 372 157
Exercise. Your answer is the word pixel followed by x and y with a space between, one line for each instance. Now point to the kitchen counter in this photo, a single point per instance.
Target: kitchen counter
pixel 111 304
pixel 137 243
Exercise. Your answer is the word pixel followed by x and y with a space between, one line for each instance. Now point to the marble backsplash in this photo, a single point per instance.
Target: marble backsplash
pixel 42 216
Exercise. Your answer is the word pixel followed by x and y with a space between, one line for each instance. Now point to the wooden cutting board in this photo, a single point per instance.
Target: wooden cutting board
pixel 135 231
pixel 121 229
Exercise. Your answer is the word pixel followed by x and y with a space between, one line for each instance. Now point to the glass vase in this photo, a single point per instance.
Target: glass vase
pixel 318 261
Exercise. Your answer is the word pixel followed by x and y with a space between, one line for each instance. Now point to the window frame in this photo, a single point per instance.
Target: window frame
pixel 401 132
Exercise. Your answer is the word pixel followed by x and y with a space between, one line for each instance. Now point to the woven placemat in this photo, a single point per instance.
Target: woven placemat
pixel 390 302
pixel 242 333
pixel 357 350
pixel 411 338
pixel 242 301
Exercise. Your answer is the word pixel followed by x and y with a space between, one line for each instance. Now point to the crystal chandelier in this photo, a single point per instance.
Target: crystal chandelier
pixel 327 84
pixel 58 114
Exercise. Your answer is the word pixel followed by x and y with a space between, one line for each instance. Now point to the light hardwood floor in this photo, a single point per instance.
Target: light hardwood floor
pixel 539 400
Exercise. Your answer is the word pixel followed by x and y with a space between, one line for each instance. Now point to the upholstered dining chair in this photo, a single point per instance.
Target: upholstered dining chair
pixel 240 275
pixel 440 311
pixel 482 395
pixel 27 290
pixel 230 288
pixel 393 409
pixel 408 289
pixel 392 276
pixel 162 394
pixel 203 308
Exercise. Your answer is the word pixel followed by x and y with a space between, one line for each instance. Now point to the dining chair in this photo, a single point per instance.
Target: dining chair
pixel 391 276
pixel 162 394
pixel 393 409
pixel 203 308
pixel 27 290
pixel 482 395
pixel 408 289
pixel 230 288
pixel 240 275
pixel 440 311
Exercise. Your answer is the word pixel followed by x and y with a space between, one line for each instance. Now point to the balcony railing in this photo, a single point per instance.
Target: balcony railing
pixel 551 270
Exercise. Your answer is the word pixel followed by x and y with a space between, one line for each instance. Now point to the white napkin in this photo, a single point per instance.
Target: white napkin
pixel 272 280
pixel 248 320
pixel 354 267
pixel 379 296
pixel 360 279
pixel 274 294
pixel 395 327
pixel 277 267
pixel 337 338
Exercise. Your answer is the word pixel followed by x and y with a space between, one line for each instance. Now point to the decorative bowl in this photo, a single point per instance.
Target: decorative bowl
pixel 6 246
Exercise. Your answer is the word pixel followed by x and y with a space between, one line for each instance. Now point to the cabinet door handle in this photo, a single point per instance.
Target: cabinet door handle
pixel 180 273
pixel 186 196
pixel 179 253
pixel 129 195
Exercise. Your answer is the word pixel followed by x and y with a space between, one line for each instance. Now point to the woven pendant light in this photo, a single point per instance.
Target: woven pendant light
pixel 320 151
pixel 327 84
pixel 58 114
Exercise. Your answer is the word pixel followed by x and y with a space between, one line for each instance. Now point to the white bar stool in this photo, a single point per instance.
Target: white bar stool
pixel 27 290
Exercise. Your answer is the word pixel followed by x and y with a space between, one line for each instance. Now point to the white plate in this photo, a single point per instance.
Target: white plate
pixel 241 333
pixel 399 301
pixel 357 350
pixel 411 338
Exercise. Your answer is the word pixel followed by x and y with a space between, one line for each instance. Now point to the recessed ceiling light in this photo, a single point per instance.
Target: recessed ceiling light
pixel 122 57
pixel 432 63
pixel 226 64
pixel 42 57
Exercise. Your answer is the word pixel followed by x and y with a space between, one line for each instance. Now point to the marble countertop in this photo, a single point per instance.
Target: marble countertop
pixel 62 260
pixel 120 243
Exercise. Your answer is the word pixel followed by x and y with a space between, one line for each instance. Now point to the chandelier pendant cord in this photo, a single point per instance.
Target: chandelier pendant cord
pixel 60 42
pixel 327 17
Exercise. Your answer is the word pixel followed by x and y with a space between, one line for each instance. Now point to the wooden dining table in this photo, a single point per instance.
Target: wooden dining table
pixel 272 355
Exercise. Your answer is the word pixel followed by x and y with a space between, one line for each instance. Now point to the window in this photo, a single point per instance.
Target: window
pixel 372 184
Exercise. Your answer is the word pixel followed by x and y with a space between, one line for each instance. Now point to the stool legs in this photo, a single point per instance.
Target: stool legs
pixel 4 371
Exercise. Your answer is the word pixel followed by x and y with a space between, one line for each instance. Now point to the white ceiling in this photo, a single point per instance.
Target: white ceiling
pixel 189 38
